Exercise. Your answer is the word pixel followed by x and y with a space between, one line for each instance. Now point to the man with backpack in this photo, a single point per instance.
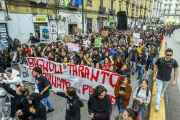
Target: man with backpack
pixel 164 66
pixel 43 85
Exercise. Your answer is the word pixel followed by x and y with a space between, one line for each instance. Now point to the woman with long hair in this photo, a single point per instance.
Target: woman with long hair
pixel 98 66
pixel 26 48
pixel 142 97
pixel 119 63
pixel 20 103
pixel 128 114
pixel 107 63
pixel 6 58
pixel 73 104
pixel 122 92
pixel 88 59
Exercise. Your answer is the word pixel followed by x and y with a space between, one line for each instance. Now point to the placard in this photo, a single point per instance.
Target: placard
pixel 69 38
pixel 104 33
pixel 97 42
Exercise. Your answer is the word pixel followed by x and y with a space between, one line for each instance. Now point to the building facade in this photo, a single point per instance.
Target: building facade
pixel 157 11
pixel 138 11
pixel 171 11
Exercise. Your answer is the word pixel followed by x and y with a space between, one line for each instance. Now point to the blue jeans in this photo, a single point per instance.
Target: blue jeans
pixel 140 111
pixel 140 72
pixel 160 88
pixel 133 65
pixel 119 104
pixel 152 63
pixel 46 102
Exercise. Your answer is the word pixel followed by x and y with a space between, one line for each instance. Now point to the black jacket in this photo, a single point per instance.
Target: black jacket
pixel 32 39
pixel 18 103
pixel 72 107
pixel 40 109
pixel 100 107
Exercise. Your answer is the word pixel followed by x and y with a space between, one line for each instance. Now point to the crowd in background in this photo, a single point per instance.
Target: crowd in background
pixel 117 54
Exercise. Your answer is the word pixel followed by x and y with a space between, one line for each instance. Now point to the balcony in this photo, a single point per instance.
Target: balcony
pixel 102 9
pixel 112 12
pixel 176 9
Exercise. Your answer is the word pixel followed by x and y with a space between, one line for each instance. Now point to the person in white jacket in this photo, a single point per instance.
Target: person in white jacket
pixel 12 78
pixel 3 95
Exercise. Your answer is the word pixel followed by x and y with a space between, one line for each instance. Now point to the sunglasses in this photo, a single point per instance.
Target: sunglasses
pixel 168 54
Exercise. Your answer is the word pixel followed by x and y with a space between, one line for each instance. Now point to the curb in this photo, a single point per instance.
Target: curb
pixel 158 115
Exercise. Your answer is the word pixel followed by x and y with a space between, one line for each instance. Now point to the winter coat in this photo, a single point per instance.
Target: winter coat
pixel 135 53
pixel 119 54
pixel 126 96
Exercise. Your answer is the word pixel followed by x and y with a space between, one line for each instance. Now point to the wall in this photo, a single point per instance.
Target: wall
pixel 20 26
pixel 2 15
pixel 72 17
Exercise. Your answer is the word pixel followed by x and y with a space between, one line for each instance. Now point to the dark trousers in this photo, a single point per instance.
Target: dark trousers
pixel 12 109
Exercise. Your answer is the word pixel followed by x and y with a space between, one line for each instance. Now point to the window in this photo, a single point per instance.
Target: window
pixel 89 24
pixel 72 28
pixel 101 2
pixel 112 4
pixel 119 5
pixel 89 1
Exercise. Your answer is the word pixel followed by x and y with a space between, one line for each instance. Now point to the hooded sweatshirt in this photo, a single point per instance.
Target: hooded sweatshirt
pixel 72 107
pixel 100 107
pixel 40 109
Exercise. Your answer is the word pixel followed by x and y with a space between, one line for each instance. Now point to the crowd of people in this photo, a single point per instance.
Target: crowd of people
pixel 118 54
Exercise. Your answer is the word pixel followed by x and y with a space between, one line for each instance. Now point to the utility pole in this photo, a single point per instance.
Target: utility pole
pixel 82 16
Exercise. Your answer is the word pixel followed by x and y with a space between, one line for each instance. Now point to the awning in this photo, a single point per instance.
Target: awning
pixel 3 21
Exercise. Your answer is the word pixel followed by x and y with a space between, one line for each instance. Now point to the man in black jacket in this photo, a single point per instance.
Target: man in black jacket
pixel 32 38
pixel 99 104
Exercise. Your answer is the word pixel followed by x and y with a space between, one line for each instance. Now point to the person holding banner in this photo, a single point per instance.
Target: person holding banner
pixel 43 86
pixel 99 99
pixel 107 64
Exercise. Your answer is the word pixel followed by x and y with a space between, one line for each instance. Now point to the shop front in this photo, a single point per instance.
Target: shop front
pixel 39 21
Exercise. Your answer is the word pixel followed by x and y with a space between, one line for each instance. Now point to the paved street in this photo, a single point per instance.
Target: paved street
pixel 172 94
pixel 59 103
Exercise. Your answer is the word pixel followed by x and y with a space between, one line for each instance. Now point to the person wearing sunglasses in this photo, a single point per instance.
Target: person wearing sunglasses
pixel 164 66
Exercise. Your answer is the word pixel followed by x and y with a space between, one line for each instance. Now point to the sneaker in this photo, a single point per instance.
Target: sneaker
pixel 138 78
pixel 50 110
pixel 157 108
pixel 132 73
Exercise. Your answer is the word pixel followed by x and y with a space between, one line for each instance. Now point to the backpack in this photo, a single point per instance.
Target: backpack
pixel 81 104
pixel 163 58
pixel 147 94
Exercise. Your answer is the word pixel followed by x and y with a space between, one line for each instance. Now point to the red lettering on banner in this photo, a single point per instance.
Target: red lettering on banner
pixel 87 72
pixel 51 66
pixel 56 81
pixel 93 76
pixel 81 73
pixel 111 80
pixel 45 66
pixel 37 62
pixel 58 70
pixel 70 68
pixel 112 99
pixel 104 75
pixel 31 61
pixel 75 70
pixel 87 87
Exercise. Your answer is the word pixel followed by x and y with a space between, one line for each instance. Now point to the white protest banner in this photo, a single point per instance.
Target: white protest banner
pixel 136 37
pixel 73 47
pixel 83 78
